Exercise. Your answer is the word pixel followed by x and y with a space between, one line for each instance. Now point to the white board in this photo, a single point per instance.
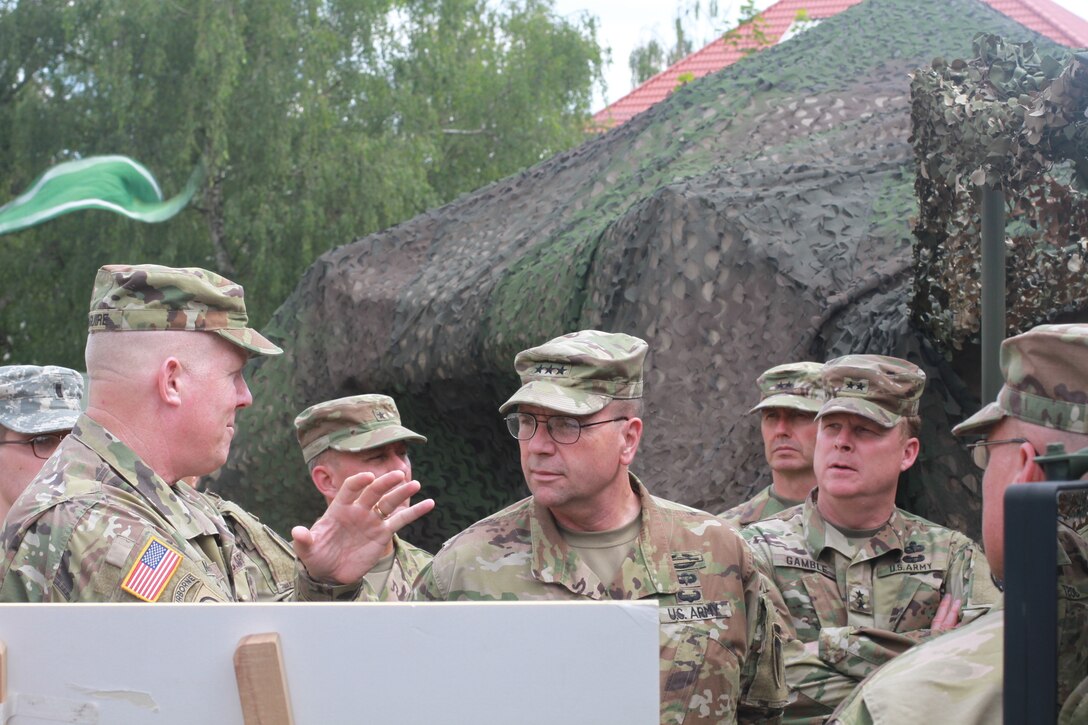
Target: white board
pixel 473 663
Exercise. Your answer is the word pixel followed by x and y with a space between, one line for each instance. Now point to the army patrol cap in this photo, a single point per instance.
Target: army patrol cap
pixel 353 424
pixel 580 373
pixel 878 387
pixel 37 399
pixel 1046 381
pixel 152 297
pixel 793 385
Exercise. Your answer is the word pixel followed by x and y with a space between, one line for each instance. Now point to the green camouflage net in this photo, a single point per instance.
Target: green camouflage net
pixel 1012 118
pixel 757 216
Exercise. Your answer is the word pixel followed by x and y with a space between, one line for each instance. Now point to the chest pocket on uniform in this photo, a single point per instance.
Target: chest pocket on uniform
pixel 811 593
pixel 700 672
pixel 911 590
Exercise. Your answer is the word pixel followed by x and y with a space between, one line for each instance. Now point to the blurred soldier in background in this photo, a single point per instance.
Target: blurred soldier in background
pixel 38 407
pixel 357 434
pixel 790 397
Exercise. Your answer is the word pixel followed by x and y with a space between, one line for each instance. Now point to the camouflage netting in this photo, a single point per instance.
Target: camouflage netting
pixel 758 216
pixel 1012 118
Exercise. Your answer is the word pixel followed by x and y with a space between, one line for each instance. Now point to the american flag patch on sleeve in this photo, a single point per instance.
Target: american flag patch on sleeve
pixel 151 573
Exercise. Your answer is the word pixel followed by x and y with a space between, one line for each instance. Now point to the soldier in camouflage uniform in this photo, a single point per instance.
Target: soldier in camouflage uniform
pixel 592 531
pixel 108 518
pixel 38 407
pixel 958 678
pixel 363 433
pixel 790 397
pixel 861 579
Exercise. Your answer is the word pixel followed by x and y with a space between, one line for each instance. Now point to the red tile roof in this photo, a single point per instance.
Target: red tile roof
pixel 1042 16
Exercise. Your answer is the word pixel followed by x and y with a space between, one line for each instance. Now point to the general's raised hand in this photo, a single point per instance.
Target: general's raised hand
pixel 355 530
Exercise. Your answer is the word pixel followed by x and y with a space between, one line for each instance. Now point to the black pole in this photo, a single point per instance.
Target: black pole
pixel 993 289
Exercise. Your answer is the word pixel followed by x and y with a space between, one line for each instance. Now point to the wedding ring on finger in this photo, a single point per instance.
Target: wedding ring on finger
pixel 378 510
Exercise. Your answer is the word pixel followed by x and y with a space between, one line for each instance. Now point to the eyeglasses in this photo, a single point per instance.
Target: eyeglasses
pixel 562 428
pixel 42 446
pixel 980 450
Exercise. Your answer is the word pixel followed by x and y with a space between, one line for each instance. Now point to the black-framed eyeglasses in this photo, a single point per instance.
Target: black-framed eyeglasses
pixel 980 450
pixel 42 445
pixel 562 428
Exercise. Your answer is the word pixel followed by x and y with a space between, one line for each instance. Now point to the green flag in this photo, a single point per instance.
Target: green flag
pixel 112 183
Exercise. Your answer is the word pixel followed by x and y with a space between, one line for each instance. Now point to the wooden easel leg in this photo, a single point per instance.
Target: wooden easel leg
pixel 262 680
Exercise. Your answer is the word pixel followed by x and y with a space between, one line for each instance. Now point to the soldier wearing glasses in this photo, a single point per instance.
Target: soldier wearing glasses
pixel 38 407
pixel 592 531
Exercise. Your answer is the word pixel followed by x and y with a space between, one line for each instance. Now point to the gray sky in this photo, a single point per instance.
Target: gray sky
pixel 625 24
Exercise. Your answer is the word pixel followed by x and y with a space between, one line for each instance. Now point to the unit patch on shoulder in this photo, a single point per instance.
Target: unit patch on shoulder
pixel 152 571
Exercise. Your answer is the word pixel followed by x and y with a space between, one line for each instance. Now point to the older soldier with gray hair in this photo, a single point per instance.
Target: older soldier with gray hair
pixel 110 517
pixel 38 407
pixel 861 579
pixel 363 433
pixel 790 397
pixel 592 531
pixel 958 678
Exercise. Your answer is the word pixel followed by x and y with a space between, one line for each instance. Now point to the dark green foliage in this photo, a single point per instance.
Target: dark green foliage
pixel 317 120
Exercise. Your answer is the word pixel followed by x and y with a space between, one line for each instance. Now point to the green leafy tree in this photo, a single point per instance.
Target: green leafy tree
pixel 317 121
pixel 646 61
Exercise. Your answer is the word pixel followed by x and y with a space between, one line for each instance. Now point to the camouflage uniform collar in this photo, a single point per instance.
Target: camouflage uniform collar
pixel 818 537
pixel 148 484
pixel 552 561
pixel 772 495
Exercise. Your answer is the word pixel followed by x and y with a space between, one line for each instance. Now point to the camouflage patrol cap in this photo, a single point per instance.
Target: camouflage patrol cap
pixel 37 399
pixel 153 297
pixel 878 387
pixel 352 424
pixel 793 385
pixel 1046 381
pixel 580 373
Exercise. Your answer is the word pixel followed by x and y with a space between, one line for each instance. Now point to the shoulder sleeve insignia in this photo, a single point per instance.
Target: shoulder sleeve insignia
pixel 152 571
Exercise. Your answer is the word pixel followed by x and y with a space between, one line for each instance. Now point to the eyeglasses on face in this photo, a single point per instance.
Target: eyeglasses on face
pixel 41 445
pixel 562 428
pixel 980 450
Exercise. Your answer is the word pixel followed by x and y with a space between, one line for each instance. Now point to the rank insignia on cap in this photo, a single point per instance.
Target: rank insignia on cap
pixel 152 571
pixel 855 385
pixel 550 369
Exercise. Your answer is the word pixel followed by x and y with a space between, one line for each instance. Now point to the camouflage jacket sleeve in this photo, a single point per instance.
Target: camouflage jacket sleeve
pixel 763 677
pixel 1075 709
pixel 821 674
pixel 955 679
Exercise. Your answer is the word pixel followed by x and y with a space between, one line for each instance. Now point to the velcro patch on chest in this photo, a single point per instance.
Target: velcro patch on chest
pixel 154 567
pixel 1071 593
pixel 908 567
pixel 793 561
pixel 696 612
